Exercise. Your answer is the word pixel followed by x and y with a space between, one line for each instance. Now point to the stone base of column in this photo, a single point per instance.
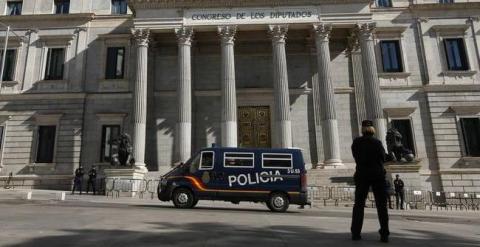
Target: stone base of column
pixel 126 181
pixel 184 141
pixel 229 134
pixel 332 164
pixel 285 133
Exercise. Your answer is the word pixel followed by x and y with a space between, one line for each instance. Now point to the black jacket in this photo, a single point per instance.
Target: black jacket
pixel 369 155
pixel 398 185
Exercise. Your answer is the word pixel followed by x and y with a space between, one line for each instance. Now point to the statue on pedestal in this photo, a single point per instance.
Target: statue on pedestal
pixel 123 147
pixel 395 148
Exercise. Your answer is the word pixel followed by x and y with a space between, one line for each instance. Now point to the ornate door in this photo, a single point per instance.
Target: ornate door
pixel 254 127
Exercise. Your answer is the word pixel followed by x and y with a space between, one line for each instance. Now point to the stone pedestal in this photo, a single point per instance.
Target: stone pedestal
pixel 409 173
pixel 125 182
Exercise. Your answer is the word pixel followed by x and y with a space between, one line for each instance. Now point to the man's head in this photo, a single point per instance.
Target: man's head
pixel 397 176
pixel 367 128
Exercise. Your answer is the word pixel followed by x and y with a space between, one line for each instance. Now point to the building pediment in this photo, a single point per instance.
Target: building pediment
pixel 142 4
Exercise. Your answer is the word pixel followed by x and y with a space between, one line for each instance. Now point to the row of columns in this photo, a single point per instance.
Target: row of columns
pixel 278 33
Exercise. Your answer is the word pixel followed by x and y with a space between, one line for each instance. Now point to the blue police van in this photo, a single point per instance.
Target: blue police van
pixel 274 176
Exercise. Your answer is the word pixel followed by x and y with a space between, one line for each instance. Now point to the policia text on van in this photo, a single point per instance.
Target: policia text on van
pixel 274 176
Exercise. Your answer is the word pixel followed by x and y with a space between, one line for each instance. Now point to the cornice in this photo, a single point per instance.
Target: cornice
pixel 144 4
pixel 450 6
pixel 47 17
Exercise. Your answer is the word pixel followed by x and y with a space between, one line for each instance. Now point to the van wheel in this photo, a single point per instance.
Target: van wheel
pixel 278 202
pixel 183 198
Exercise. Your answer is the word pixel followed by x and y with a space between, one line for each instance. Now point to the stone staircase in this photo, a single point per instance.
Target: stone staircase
pixel 331 177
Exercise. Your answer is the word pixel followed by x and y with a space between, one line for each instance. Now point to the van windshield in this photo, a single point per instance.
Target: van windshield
pixel 194 164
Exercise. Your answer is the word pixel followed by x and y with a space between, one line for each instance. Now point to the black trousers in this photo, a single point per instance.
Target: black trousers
pixel 77 184
pixel 399 196
pixel 362 187
pixel 91 182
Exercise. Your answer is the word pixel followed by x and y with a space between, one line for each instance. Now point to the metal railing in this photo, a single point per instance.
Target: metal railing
pixel 413 199
pixel 326 195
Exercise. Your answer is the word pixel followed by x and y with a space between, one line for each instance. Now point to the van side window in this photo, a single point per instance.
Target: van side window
pixel 277 161
pixel 207 160
pixel 238 160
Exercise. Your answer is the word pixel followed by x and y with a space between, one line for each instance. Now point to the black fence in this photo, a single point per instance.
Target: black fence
pixel 323 195
pixel 413 199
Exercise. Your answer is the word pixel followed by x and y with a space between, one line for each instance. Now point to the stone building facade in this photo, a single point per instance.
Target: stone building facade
pixel 182 75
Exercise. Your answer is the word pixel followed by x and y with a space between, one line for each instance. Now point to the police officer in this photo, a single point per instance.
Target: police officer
pixel 77 182
pixel 92 179
pixel 399 195
pixel 369 156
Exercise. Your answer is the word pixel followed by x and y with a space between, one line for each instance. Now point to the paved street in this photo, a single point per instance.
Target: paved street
pixel 97 221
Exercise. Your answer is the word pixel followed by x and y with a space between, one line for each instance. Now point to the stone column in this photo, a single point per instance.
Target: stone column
pixel 184 93
pixel 280 86
pixel 373 102
pixel 328 116
pixel 356 60
pixel 229 94
pixel 141 37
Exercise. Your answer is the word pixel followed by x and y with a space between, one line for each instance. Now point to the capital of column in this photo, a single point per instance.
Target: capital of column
pixel 227 34
pixel 322 31
pixel 184 35
pixel 366 31
pixel 278 32
pixel 141 36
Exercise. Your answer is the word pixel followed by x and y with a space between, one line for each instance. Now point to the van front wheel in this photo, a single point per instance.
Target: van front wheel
pixel 278 202
pixel 183 198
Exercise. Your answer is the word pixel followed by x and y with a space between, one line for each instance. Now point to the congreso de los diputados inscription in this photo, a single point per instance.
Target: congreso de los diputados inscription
pixel 178 76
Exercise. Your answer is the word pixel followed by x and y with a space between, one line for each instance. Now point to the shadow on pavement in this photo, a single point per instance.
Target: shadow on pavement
pixel 221 234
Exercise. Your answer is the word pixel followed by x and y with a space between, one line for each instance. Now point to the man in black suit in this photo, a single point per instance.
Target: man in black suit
pixel 399 195
pixel 369 156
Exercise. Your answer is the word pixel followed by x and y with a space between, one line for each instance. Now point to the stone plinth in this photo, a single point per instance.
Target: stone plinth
pixel 409 173
pixel 124 182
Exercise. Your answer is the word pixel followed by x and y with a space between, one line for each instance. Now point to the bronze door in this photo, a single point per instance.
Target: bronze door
pixel 254 127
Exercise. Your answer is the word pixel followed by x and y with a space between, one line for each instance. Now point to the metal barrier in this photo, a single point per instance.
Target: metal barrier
pixel 414 199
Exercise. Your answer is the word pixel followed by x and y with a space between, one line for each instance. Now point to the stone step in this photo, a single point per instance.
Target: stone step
pixel 331 177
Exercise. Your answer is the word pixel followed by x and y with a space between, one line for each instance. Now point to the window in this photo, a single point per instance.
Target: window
pixel 238 160
pixel 115 63
pixel 9 69
pixel 55 60
pixel 404 126
pixel 384 3
pixel 391 56
pixel 456 55
pixel 14 8
pixel 62 6
pixel 109 133
pixel 471 135
pixel 46 144
pixel 207 160
pixel 277 161
pixel 446 1
pixel 119 7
